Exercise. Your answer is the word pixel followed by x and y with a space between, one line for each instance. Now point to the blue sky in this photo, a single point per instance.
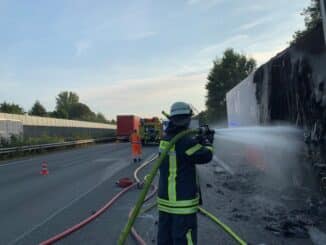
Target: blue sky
pixel 131 56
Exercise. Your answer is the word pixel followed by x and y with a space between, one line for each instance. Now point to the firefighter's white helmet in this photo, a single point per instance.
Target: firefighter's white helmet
pixel 180 108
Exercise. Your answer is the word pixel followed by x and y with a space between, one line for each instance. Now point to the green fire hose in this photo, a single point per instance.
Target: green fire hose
pixel 125 232
pixel 223 226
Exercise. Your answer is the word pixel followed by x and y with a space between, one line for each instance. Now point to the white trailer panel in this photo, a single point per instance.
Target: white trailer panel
pixel 242 109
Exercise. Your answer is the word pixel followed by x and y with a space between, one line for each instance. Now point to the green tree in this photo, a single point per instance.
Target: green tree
pixel 202 117
pixel 11 108
pixel 38 110
pixel 65 100
pixel 69 107
pixel 227 72
pixel 101 118
pixel 312 16
pixel 53 114
pixel 80 111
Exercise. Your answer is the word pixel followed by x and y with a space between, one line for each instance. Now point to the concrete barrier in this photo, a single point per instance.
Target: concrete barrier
pixel 34 126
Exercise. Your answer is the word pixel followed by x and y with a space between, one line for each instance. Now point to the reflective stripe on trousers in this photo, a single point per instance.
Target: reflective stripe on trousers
pixel 189 237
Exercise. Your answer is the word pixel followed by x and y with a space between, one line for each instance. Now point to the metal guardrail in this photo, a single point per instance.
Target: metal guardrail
pixel 52 145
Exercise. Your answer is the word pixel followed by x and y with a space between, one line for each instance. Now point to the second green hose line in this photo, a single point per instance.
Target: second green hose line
pixel 125 232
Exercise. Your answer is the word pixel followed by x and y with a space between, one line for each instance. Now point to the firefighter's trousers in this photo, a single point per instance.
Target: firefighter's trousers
pixel 177 229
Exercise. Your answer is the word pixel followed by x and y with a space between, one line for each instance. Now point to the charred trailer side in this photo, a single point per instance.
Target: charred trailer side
pixel 290 88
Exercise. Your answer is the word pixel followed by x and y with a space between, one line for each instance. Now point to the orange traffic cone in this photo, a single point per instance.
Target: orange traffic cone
pixel 44 170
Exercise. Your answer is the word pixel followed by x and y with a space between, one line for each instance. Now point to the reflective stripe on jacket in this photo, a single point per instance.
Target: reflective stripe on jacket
pixel 178 191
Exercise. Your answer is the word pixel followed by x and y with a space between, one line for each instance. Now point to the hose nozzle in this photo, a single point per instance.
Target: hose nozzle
pixel 205 130
pixel 205 134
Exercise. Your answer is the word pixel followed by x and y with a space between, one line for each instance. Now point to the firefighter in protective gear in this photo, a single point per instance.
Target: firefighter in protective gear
pixel 178 193
pixel 136 146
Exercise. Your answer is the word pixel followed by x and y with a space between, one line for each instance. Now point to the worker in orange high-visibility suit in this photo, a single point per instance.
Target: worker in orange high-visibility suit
pixel 136 146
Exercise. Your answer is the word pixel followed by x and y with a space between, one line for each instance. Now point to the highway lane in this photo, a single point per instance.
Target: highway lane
pixel 29 200
pixel 40 207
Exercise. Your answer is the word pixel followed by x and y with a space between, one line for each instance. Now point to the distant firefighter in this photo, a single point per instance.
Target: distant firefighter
pixel 136 146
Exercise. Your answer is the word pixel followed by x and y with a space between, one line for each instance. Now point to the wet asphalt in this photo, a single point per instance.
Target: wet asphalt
pixel 34 208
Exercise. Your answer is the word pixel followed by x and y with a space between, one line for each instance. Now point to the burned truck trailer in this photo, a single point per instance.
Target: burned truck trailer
pixel 290 88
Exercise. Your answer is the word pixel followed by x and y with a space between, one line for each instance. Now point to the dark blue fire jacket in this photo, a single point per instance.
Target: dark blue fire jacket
pixel 178 187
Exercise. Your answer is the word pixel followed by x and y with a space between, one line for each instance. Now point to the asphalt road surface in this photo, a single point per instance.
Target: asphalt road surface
pixel 33 208
pixel 80 181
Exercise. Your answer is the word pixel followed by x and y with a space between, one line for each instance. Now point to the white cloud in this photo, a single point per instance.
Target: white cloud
pixel 262 45
pixel 255 23
pixel 147 97
pixel 81 47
